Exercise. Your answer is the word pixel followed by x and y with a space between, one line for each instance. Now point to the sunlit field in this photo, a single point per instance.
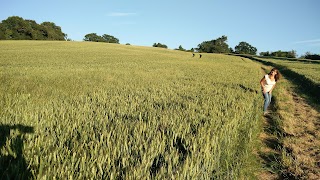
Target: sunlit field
pixel 81 110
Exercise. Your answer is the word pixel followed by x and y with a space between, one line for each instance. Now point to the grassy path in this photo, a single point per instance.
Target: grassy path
pixel 291 136
pixel 301 138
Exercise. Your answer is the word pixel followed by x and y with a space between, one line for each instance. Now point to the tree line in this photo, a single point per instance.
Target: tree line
pixel 17 28
pixel 218 45
pixel 308 55
pixel 286 54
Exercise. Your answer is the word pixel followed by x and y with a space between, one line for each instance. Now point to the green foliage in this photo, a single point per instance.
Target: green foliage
pixel 231 50
pixel 286 54
pixel 16 28
pixel 245 48
pixel 180 48
pixel 191 50
pixel 218 45
pixel 51 31
pixel 110 39
pixel 93 37
pixel 160 45
pixel 2 32
pixel 308 55
pixel 267 53
pixel 104 38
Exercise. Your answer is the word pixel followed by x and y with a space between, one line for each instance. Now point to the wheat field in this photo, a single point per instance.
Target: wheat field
pixel 84 110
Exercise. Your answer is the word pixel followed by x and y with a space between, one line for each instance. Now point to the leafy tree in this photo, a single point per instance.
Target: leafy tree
pixel 2 30
pixel 52 31
pixel 292 54
pixel 308 53
pixel 110 39
pixel 284 54
pixel 191 50
pixel 245 48
pixel 265 53
pixel 104 38
pixel 231 50
pixel 311 56
pixel 180 48
pixel 16 28
pixel 287 54
pixel 36 30
pixel 160 45
pixel 93 37
pixel 218 45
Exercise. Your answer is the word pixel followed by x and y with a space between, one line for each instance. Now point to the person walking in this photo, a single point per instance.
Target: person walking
pixel 268 83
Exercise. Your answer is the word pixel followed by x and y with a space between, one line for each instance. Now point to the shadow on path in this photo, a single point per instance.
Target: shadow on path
pixel 12 164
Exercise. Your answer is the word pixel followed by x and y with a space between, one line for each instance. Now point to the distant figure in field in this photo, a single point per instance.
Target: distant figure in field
pixel 268 83
pixel 192 54
pixel 200 55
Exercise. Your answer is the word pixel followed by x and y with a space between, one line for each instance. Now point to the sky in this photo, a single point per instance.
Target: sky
pixel 268 25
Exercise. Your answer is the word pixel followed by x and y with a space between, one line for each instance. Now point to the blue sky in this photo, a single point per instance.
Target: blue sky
pixel 268 25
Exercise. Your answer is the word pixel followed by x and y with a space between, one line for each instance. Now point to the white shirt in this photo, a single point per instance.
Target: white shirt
pixel 269 84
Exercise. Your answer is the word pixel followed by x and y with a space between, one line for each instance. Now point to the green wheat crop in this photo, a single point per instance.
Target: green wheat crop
pixel 108 111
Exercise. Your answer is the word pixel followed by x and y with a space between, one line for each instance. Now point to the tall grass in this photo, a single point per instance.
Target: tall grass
pixel 113 111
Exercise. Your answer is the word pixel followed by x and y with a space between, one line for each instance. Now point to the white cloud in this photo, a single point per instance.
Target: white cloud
pixel 312 41
pixel 121 14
